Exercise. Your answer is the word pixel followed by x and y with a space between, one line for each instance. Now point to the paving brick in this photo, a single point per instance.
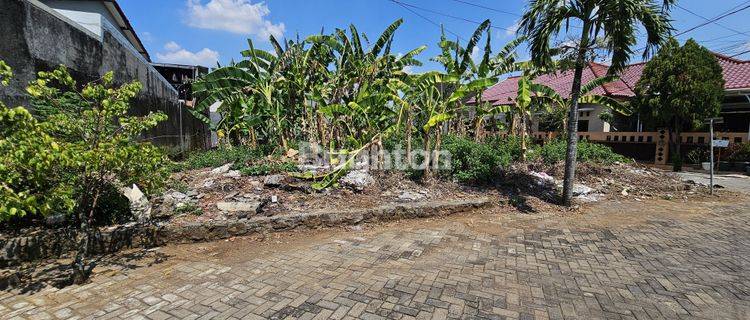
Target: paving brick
pixel 659 269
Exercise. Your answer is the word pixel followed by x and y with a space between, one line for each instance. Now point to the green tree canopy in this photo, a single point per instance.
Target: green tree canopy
pixel 679 88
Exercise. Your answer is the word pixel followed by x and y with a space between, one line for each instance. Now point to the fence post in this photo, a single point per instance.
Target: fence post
pixel 662 146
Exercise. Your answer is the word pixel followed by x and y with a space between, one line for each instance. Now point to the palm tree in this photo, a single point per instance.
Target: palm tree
pixel 616 21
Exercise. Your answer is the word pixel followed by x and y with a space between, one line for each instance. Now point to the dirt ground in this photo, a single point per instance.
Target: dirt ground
pixel 519 186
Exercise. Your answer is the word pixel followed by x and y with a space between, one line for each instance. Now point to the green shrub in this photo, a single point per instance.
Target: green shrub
pixel 740 152
pixel 509 146
pixel 554 151
pixel 261 169
pixel 219 157
pixel 79 152
pixel 32 168
pixel 473 162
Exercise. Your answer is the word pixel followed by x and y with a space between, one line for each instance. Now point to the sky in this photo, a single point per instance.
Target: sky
pixel 202 32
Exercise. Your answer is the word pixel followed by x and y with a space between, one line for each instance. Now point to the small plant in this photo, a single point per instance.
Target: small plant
pixel 261 169
pixel 472 161
pixel 189 208
pixel 554 152
pixel 219 157
pixel 698 155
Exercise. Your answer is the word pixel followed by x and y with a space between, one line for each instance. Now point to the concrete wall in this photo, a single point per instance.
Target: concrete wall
pixel 38 38
pixel 590 112
pixel 88 14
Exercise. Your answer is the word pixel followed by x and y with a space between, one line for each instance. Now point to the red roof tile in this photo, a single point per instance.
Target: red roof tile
pixel 736 75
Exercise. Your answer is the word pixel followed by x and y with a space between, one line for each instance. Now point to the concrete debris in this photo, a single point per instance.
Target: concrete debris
pixel 581 190
pixel 139 204
pixel 232 174
pixel 208 183
pixel 274 180
pixel 291 153
pixel 542 178
pixel 221 170
pixel 357 180
pixel 239 209
pixel 406 196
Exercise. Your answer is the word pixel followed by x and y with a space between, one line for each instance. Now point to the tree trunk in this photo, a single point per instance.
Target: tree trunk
pixel 321 129
pixel 570 156
pixel 477 129
pixel 426 153
pixel 408 137
pixel 523 138
pixel 436 152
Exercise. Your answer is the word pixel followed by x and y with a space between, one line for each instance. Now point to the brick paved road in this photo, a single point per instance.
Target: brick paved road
pixel 483 266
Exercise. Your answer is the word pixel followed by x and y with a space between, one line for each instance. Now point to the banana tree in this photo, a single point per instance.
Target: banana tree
pixel 490 68
pixel 558 106
pixel 458 64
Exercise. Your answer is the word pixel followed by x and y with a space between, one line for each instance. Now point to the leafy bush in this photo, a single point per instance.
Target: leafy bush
pixel 509 146
pixel 219 157
pixel 82 149
pixel 740 152
pixel 554 151
pixel 32 168
pixel 698 155
pixel 473 162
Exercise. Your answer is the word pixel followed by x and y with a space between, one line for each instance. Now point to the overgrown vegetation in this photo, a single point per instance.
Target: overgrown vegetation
pixel 554 151
pixel 348 95
pixel 265 168
pixel 219 156
pixel 740 152
pixel 473 161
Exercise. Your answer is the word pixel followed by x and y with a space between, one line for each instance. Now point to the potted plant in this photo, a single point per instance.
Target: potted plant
pixel 699 158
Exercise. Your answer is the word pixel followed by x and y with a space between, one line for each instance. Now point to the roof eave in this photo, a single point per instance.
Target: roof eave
pixel 124 24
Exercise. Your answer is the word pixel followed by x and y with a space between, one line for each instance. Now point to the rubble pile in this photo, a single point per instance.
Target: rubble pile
pixel 216 194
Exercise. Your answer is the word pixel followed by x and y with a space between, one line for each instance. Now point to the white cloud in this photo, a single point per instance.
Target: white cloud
pixel 476 54
pixel 512 29
pixel 147 36
pixel 176 54
pixel 409 70
pixel 236 16
pixel 172 46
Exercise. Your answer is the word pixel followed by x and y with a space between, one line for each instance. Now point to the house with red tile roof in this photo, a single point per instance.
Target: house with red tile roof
pixel 735 108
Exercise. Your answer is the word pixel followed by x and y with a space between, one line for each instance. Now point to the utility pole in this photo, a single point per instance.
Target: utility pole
pixel 711 122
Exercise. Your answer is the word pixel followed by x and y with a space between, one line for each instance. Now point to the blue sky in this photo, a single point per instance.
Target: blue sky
pixel 202 31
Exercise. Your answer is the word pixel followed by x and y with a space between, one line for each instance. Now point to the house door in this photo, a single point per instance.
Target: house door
pixel 583 126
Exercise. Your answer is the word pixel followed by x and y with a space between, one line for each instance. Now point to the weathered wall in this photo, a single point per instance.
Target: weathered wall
pixel 36 38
